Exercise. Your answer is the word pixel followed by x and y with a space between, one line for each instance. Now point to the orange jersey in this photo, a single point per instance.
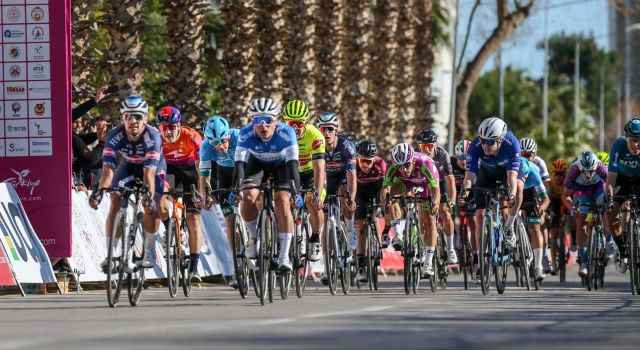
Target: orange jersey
pixel 185 152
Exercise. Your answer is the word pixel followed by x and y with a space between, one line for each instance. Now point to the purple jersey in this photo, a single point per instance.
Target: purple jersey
pixel 576 181
pixel 146 152
pixel 424 174
pixel 376 173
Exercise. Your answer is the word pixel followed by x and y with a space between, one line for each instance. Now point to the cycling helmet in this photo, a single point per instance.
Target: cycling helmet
pixel 168 115
pixel 264 105
pixel 427 136
pixel 558 166
pixel 134 104
pixel 402 153
pixel 604 157
pixel 215 128
pixel 587 161
pixel 367 149
pixel 528 145
pixel 632 127
pixel 492 128
pixel 462 148
pixel 296 110
pixel 328 119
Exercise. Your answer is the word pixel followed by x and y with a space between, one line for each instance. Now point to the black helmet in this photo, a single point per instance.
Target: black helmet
pixel 427 136
pixel 367 149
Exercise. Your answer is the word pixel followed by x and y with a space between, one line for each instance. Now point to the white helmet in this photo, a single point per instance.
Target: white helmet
pixel 492 129
pixel 462 148
pixel 402 153
pixel 264 105
pixel 134 104
pixel 528 145
pixel 328 118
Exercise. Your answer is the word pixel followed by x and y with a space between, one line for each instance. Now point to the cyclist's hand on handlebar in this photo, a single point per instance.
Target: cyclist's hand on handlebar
pixel 434 208
pixel 299 201
pixel 462 198
pixel 95 198
pixel 209 201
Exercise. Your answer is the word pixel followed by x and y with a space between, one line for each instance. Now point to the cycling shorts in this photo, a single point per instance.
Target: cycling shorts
pixel 257 171
pixel 588 194
pixel 489 179
pixel 186 178
pixel 364 196
pixel 126 173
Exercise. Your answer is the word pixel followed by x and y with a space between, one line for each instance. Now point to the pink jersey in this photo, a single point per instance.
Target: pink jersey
pixel 376 174
pixel 424 174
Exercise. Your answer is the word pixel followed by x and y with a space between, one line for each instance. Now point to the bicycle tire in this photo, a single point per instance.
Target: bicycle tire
pixel 302 265
pixel 433 281
pixel 116 264
pixel 272 250
pixel 369 255
pixel 408 254
pixel 525 252
pixel 500 271
pixel 172 258
pixel 591 253
pixel 185 261
pixel 463 255
pixel 263 258
pixel 563 256
pixel 634 253
pixel 240 266
pixel 417 263
pixel 442 258
pixel 484 260
pixel 284 279
pixel 344 271
pixel 135 278
pixel 377 253
pixel 330 256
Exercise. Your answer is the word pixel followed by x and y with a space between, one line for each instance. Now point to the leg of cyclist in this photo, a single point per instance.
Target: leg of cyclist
pixel 430 234
pixel 510 237
pixel 154 178
pixel 448 227
pixel 250 201
pixel 284 226
pixel 582 238
pixel 195 242
pixel 395 215
pixel 316 215
pixel 362 200
pixel 546 259
pixel 116 203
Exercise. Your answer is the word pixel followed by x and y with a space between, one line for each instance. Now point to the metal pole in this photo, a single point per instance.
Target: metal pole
pixel 500 83
pixel 452 107
pixel 627 67
pixel 601 108
pixel 576 93
pixel 545 86
pixel 618 108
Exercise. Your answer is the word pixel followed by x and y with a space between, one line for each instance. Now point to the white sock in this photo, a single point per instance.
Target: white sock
pixel 510 220
pixel 547 253
pixel 150 241
pixel 450 244
pixel 285 243
pixel 106 243
pixel 398 225
pixel 351 225
pixel 537 257
pixel 430 251
pixel 252 228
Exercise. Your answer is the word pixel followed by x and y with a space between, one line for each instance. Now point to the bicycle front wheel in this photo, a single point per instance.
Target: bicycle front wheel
pixel 484 259
pixel 115 268
pixel 369 255
pixel 240 266
pixel 136 277
pixel 284 278
pixel 301 268
pixel 408 255
pixel 263 257
pixel 524 256
pixel 345 262
pixel 172 257
pixel 634 255
pixel 331 256
pixel 592 270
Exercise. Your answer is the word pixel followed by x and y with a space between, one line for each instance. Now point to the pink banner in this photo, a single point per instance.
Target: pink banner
pixel 35 107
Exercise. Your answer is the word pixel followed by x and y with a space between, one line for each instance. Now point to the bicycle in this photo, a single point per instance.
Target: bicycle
pixel 336 250
pixel 128 227
pixel 493 251
pixel 522 255
pixel 440 257
pixel 372 247
pixel 633 230
pixel 301 236
pixel 562 258
pixel 597 245
pixel 465 251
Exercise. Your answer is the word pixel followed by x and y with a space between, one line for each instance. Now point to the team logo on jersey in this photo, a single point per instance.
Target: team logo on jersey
pixel 317 144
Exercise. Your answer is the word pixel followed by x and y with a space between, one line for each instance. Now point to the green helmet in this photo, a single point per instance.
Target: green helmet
pixel 296 110
pixel 603 156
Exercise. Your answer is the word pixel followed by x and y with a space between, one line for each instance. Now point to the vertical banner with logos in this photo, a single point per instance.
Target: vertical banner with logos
pixel 35 117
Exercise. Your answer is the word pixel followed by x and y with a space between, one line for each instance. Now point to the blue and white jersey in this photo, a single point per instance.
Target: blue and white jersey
pixel 622 161
pixel 280 148
pixel 542 166
pixel 146 152
pixel 209 154
pixel 531 176
pixel 508 157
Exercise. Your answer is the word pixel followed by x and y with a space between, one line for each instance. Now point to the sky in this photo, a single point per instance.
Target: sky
pixel 568 16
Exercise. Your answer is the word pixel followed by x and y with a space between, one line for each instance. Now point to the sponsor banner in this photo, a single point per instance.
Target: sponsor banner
pixel 14 53
pixel 39 109
pixel 89 243
pixel 6 275
pixel 25 252
pixel 18 148
pixel 15 109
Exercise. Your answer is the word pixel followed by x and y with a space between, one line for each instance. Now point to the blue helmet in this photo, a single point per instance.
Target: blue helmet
pixel 216 128
pixel 632 127
pixel 134 104
pixel 587 161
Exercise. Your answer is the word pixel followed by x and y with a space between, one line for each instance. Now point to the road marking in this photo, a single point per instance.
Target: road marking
pixel 321 315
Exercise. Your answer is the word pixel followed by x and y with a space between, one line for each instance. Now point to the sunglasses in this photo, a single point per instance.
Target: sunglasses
pixel 169 127
pixel 635 140
pixel 365 161
pixel 462 158
pixel 488 142
pixel 327 129
pixel 219 142
pixel 133 116
pixel 404 166
pixel 263 119
pixel 526 154
pixel 298 124
pixel 427 146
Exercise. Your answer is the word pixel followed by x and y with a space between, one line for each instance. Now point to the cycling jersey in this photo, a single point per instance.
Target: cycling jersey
pixel 621 159
pixel 443 163
pixel 146 152
pixel 280 148
pixel 374 175
pixel 424 175
pixel 556 188
pixel 185 151
pixel 310 147
pixel 339 162
pixel 458 172
pixel 508 156
pixel 542 166
pixel 576 181
pixel 531 177
pixel 209 154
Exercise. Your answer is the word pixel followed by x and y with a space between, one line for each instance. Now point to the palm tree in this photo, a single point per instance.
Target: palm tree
pixel 266 80
pixel 403 92
pixel 296 51
pixel 326 40
pixel 422 63
pixel 84 29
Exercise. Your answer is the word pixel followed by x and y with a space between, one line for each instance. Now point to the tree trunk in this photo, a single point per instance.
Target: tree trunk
pixel 84 29
pixel 508 22
pixel 296 45
pixel 267 81
pixel 325 51
pixel 422 65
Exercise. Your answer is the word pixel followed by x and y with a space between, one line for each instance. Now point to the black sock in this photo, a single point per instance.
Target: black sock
pixel 315 238
pixel 360 260
pixel 385 231
pixel 195 258
pixel 619 241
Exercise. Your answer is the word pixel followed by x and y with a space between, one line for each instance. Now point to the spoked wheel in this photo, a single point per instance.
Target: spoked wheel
pixel 115 270
pixel 370 256
pixel 484 259
pixel 284 278
pixel 263 258
pixel 184 274
pixel 344 270
pixel 301 263
pixel 634 256
pixel 136 278
pixel 272 266
pixel 463 256
pixel 416 270
pixel 500 271
pixel 441 259
pixel 408 255
pixel 172 258
pixel 592 269
pixel 563 256
pixel 377 259
pixel 433 279
pixel 331 256
pixel 240 266
pixel 524 256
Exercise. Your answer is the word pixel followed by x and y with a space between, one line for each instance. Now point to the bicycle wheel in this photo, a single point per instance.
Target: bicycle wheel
pixel 634 255
pixel 136 277
pixel 369 255
pixel 417 262
pixel 115 270
pixel 284 279
pixel 484 259
pixel 463 255
pixel 172 258
pixel 441 259
pixel 272 253
pixel 263 258
pixel 591 271
pixel 344 270
pixel 185 267
pixel 302 263
pixel 331 256
pixel 377 259
pixel 562 257
pixel 524 256
pixel 408 254
pixel 240 266
pixel 500 271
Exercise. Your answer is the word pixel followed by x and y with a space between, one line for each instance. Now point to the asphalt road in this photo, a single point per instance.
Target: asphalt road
pixel 561 316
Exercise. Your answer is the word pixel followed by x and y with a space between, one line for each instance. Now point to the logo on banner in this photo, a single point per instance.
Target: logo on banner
pixel 14 71
pixel 15 90
pixel 37 14
pixel 37 33
pixel 16 107
pixel 21 180
pixel 14 51
pixel 13 34
pixel 38 109
pixel 38 71
pixel 14 14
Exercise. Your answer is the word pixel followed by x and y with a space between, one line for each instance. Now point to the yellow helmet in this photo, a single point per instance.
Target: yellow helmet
pixel 296 110
pixel 603 156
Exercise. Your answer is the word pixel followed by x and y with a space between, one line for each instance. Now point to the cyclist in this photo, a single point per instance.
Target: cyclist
pixel 413 169
pixel 181 150
pixel 140 146
pixel 534 203
pixel 311 151
pixel 610 251
pixel 427 139
pixel 341 173
pixel 529 149
pixel 370 174
pixel 624 172
pixel 267 147
pixel 585 183
pixel 216 167
pixel 559 170
pixel 459 164
pixel 493 158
